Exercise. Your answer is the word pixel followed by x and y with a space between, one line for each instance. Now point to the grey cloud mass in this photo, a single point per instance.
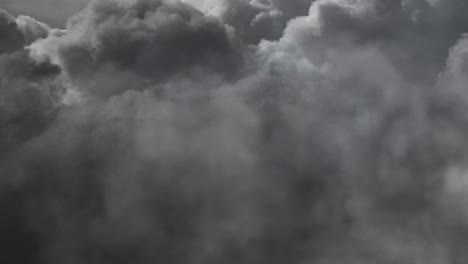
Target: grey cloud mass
pixel 186 131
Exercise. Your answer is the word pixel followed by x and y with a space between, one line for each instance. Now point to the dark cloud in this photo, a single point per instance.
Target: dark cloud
pixel 29 97
pixel 149 40
pixel 11 37
pixel 19 32
pixel 397 29
pixel 27 104
pixel 323 131
pixel 25 84
pixel 254 20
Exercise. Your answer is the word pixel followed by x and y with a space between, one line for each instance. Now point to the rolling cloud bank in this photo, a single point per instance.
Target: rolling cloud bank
pixel 222 131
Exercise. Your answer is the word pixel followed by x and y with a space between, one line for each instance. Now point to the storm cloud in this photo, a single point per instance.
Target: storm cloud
pixel 182 131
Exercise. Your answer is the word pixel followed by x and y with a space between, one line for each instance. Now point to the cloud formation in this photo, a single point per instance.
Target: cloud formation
pixel 172 131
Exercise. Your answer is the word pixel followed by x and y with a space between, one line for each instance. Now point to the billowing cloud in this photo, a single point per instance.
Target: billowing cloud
pixel 32 29
pixel 328 131
pixel 145 41
pixel 11 38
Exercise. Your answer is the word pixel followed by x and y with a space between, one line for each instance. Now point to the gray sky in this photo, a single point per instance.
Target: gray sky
pixel 54 12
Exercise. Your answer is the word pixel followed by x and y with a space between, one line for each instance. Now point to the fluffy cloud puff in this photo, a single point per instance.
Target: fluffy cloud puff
pixel 145 40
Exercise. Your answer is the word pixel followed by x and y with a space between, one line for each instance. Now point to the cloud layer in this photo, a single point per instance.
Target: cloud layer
pixel 328 131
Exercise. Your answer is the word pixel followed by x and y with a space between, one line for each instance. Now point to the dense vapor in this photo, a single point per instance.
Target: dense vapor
pixel 215 131
pixel 145 41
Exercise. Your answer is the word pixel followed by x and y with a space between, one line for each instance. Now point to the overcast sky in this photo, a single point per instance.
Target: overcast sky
pixel 54 12
pixel 234 131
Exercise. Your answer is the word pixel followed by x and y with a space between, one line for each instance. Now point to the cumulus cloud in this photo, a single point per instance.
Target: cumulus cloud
pixel 26 88
pixel 11 38
pixel 254 20
pixel 323 131
pixel 144 40
pixel 32 29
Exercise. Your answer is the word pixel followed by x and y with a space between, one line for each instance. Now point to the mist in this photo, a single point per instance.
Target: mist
pixel 216 131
